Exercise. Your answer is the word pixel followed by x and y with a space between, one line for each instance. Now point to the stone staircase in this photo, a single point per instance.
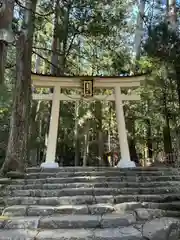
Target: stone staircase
pixel 91 204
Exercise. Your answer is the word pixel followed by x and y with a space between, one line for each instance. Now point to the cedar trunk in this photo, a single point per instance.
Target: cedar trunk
pixel 99 131
pixel 17 150
pixel 3 51
pixel 6 15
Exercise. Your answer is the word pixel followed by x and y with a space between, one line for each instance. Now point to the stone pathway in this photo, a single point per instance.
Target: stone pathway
pixel 91 204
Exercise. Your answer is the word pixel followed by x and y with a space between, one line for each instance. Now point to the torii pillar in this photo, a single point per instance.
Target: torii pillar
pixel 125 161
pixel 53 131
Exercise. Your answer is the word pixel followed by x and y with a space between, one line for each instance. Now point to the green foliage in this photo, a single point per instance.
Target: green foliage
pixel 163 43
pixel 95 38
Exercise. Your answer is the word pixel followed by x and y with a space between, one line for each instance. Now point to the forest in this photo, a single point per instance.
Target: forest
pixel 88 37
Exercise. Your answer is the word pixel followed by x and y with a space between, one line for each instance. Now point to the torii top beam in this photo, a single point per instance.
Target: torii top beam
pixel 128 81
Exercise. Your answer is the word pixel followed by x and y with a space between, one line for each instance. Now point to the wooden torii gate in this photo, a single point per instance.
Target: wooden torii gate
pixel 87 84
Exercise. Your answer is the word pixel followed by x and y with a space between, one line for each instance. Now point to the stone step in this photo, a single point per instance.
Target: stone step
pixel 101 173
pixel 172 206
pixel 99 179
pixel 36 210
pixel 48 186
pixel 89 191
pixel 88 199
pixel 93 184
pixel 160 228
pixel 69 221
pixel 92 204
pixel 147 210
pixel 127 233
pixel 90 169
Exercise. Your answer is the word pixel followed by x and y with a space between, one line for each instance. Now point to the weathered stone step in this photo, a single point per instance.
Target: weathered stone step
pixel 160 228
pixel 141 210
pixel 93 184
pixel 69 221
pixel 150 209
pixel 88 199
pixel 36 210
pixel 40 210
pixel 127 233
pixel 97 179
pixel 172 206
pixel 89 191
pixel 90 169
pixel 100 173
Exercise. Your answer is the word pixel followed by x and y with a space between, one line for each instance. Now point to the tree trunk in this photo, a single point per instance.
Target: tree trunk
pixel 64 39
pixel 167 139
pixel 3 52
pixel 131 138
pixel 101 146
pixel 149 139
pixel 99 133
pixel 76 138
pixel 17 151
pixel 6 16
pixel 86 145
pixel 177 73
pixel 34 130
pixel 139 30
pixel 34 133
pixel 166 129
pixel 54 59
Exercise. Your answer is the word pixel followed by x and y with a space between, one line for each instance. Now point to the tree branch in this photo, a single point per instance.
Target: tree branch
pixel 45 59
pixel 43 49
pixel 70 45
pixel 39 14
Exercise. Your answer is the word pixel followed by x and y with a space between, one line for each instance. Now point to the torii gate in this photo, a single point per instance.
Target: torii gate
pixel 87 84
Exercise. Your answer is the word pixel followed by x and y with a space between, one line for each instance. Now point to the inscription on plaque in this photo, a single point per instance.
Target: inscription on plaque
pixel 87 88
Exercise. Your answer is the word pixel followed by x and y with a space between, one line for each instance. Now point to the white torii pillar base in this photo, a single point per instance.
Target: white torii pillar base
pixel 124 163
pixel 49 165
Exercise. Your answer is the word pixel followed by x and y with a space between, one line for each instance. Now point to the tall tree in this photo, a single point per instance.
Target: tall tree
pixel 17 151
